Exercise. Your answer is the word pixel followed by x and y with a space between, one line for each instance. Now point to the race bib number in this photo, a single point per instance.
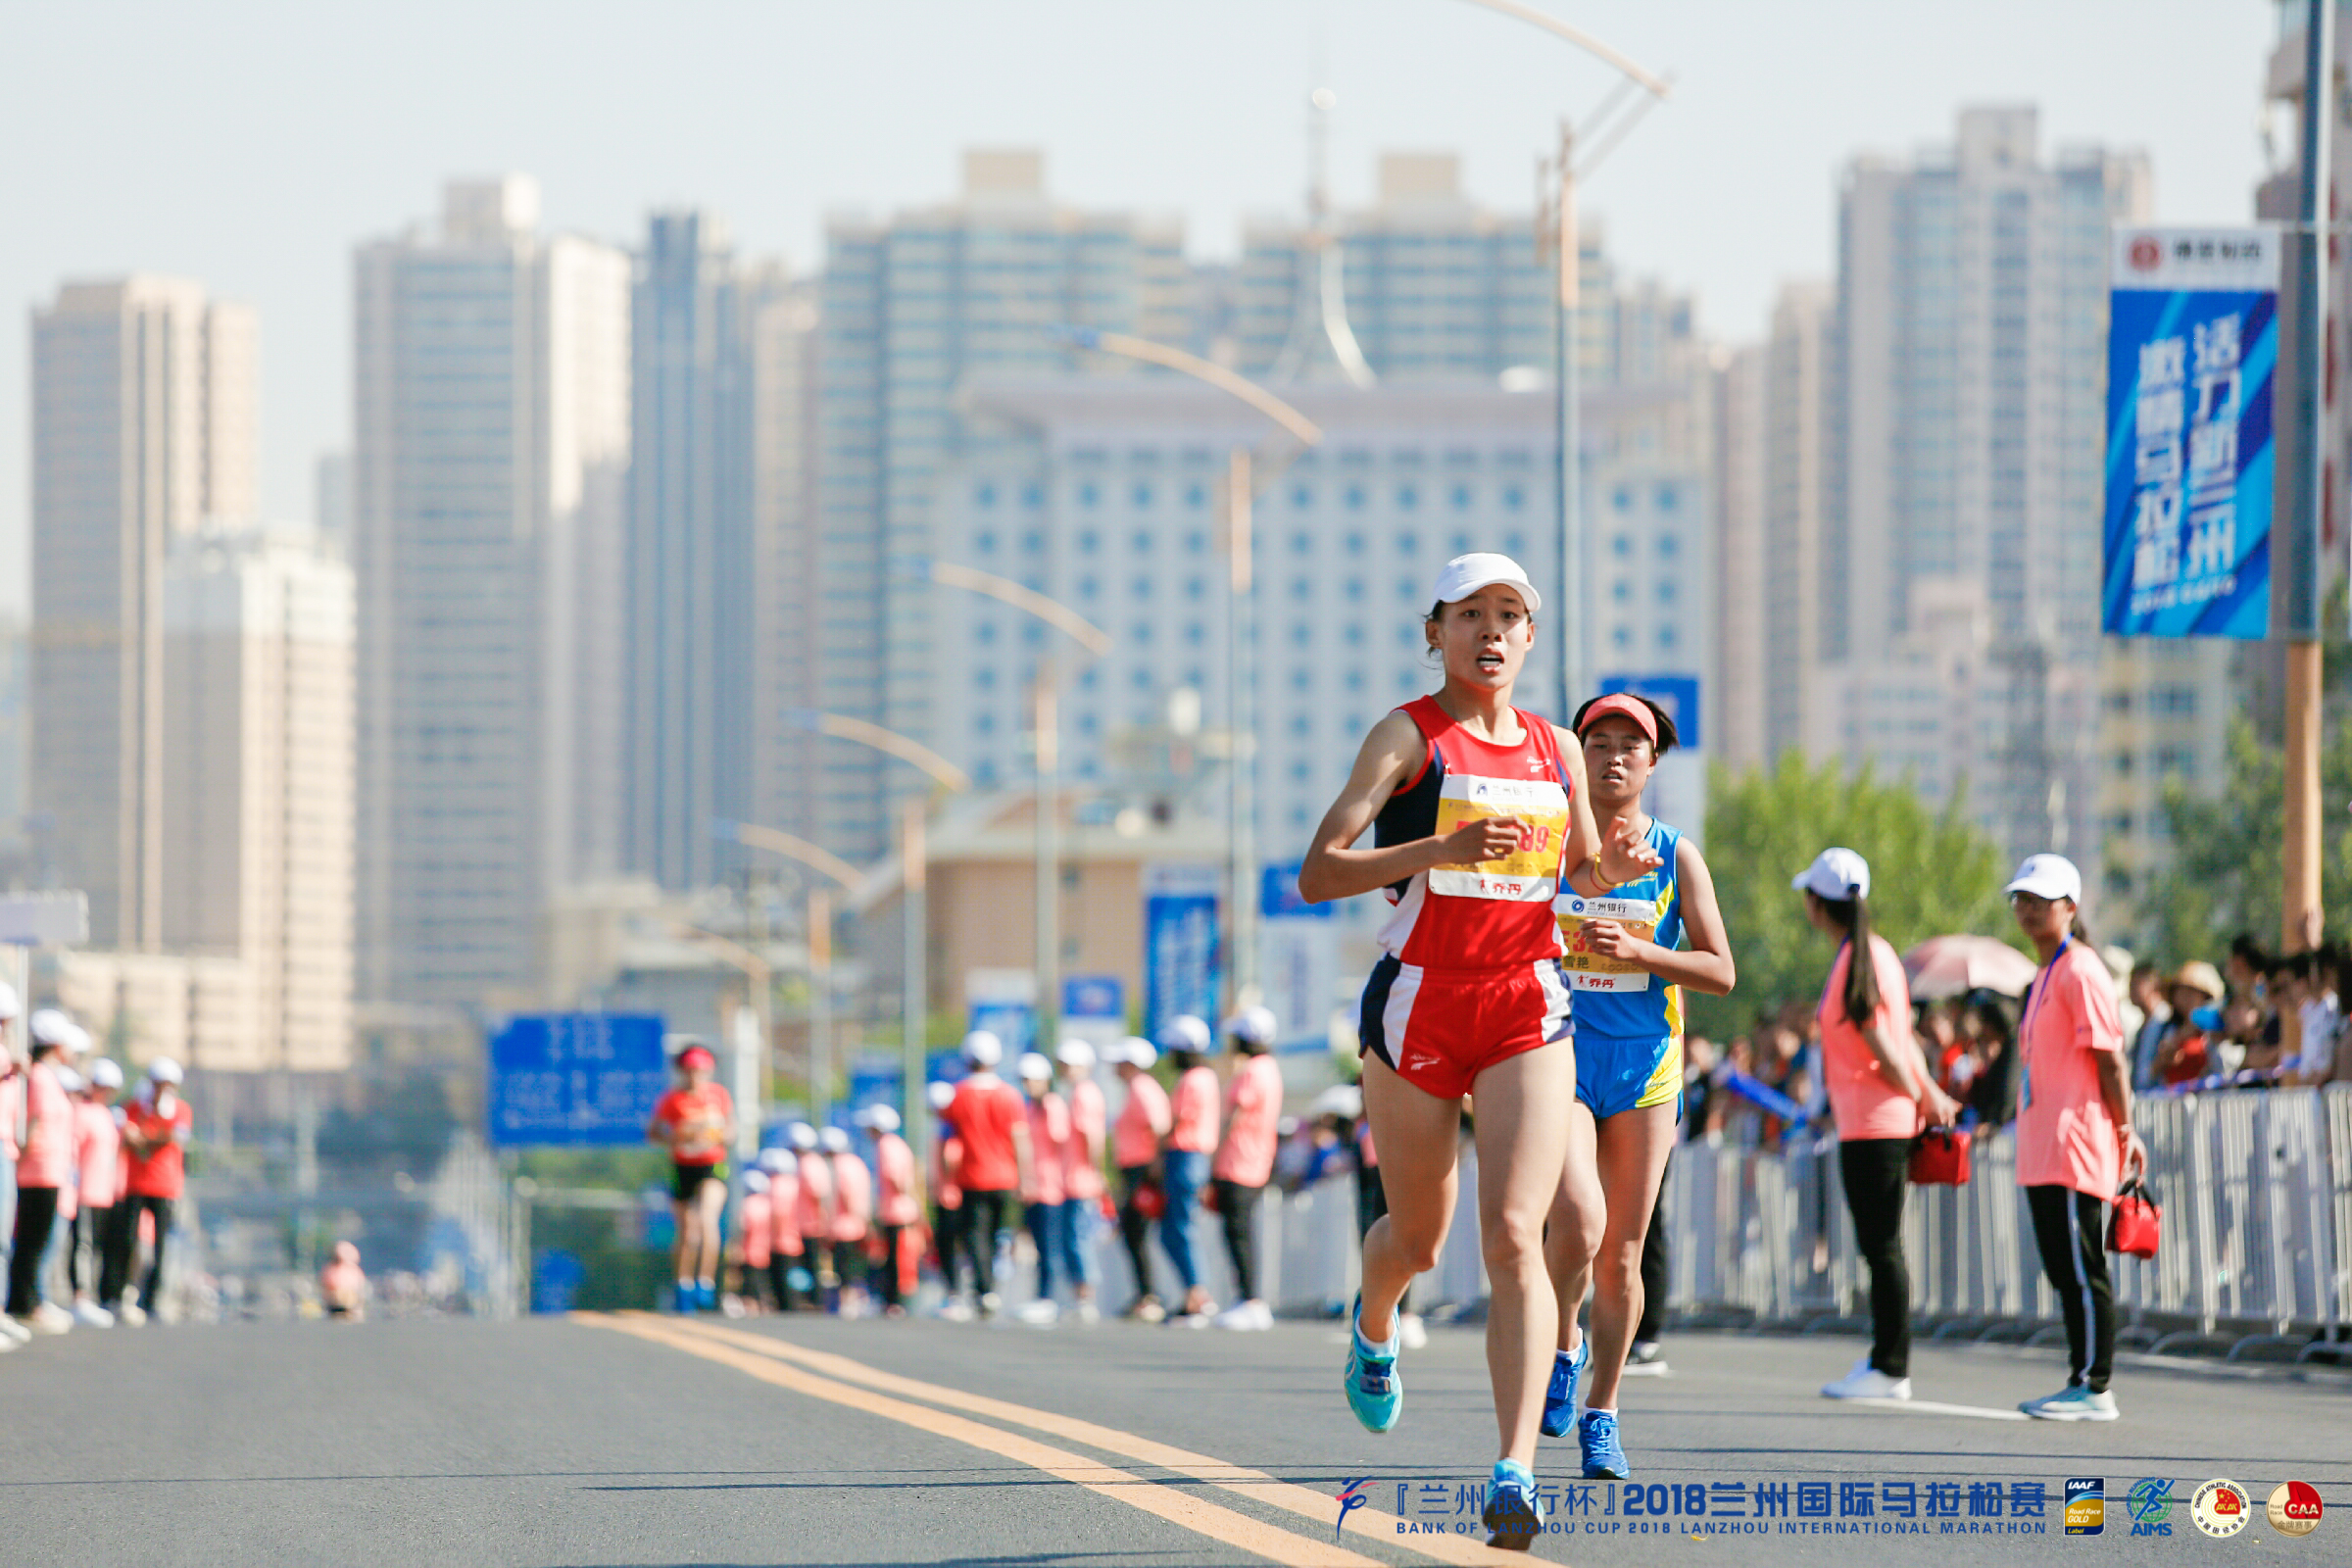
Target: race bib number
pixel 1527 875
pixel 1588 970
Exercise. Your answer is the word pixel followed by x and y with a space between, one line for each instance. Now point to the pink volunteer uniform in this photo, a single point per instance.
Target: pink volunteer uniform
pixel 1143 1122
pixel 784 1215
pixel 1253 1102
pixel 817 1197
pixel 98 1152
pixel 48 1154
pixel 1195 1127
pixel 1865 1100
pixel 1082 1168
pixel 1049 1148
pixel 898 1202
pixel 757 1224
pixel 1470 974
pixel 2065 1135
pixel 853 1198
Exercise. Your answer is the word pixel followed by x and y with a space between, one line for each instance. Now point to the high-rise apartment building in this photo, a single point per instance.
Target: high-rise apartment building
pixel 143 400
pixel 779 322
pixel 1738 680
pixel 490 452
pixel 258 784
pixel 1969 377
pixel 913 308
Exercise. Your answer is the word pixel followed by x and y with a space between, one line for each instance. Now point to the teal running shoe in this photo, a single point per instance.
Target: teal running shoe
pixel 1604 1455
pixel 1559 1399
pixel 1375 1393
pixel 1513 1516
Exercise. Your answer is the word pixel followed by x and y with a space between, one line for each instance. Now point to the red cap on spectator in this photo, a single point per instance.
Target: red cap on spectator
pixel 694 1057
pixel 1625 705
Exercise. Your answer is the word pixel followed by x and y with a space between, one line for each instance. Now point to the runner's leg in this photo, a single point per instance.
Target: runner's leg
pixel 1633 1146
pixel 710 1202
pixel 1523 1104
pixel 1418 1135
pixel 1572 1235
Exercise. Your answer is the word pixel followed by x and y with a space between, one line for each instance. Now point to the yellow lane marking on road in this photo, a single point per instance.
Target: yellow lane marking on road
pixel 1236 1529
pixel 1254 1483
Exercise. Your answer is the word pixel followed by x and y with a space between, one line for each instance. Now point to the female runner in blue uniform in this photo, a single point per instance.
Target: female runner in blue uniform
pixel 1627 967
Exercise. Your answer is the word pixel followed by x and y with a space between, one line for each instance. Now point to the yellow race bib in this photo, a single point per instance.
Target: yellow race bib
pixel 1525 875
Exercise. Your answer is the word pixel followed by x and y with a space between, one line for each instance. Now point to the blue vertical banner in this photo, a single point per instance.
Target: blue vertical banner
pixel 1181 935
pixel 2192 348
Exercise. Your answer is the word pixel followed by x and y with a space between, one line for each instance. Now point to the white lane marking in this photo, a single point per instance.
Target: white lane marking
pixel 1931 1408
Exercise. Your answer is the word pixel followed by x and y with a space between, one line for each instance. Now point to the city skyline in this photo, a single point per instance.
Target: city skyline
pixel 1690 197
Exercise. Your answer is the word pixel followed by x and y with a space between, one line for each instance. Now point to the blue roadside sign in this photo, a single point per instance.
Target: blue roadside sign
pixel 575 1079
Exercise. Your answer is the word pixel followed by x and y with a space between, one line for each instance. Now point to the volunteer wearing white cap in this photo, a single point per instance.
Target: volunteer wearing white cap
pixel 898 1209
pixel 11 1117
pixel 97 1158
pixel 1479 813
pixel 1244 1159
pixel 994 1124
pixel 756 1239
pixel 157 1126
pixel 1881 1092
pixel 1044 1189
pixel 853 1219
pixel 1082 1184
pixel 814 1210
pixel 2076 1146
pixel 785 1246
pixel 1143 1120
pixel 1184 1162
pixel 950 1217
pixel 43 1170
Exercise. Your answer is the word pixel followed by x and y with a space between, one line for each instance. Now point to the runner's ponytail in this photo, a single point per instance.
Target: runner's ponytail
pixel 1861 996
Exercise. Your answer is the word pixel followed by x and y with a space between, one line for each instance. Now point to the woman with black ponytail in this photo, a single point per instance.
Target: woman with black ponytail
pixel 1881 1094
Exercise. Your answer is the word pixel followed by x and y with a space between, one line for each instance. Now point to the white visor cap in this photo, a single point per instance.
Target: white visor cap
pixel 1465 576
pixel 1836 874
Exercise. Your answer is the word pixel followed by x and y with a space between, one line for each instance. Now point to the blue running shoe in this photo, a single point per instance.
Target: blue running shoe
pixel 1375 1393
pixel 684 1300
pixel 706 1298
pixel 1559 1400
pixel 1513 1517
pixel 1604 1455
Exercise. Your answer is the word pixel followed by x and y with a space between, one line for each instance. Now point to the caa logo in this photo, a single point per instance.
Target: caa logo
pixel 2295 1508
pixel 2150 1504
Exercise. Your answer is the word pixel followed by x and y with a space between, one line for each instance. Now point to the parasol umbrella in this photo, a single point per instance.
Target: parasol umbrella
pixel 1954 965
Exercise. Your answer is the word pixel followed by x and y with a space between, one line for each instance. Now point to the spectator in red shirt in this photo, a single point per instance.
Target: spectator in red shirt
pixel 156 1128
pixel 988 1116
pixel 695 1122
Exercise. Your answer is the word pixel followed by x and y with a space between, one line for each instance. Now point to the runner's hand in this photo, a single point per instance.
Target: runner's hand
pixel 1611 940
pixel 1625 855
pixel 1490 837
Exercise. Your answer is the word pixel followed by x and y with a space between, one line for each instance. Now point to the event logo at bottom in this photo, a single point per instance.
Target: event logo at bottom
pixel 2295 1508
pixel 2221 1507
pixel 2150 1504
pixel 2087 1505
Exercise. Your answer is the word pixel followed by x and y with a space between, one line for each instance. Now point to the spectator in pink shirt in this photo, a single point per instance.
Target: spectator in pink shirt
pixel 1045 1188
pixel 1082 1170
pixel 1192 1138
pixel 782 1168
pixel 343 1285
pixel 11 1117
pixel 1143 1120
pixel 43 1168
pixel 1244 1159
pixel 898 1206
pixel 853 1219
pixel 98 1158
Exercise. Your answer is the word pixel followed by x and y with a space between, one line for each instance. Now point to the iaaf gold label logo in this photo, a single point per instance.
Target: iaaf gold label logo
pixel 2294 1508
pixel 2221 1507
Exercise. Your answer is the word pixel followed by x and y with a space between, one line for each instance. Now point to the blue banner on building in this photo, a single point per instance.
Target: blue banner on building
pixel 1181 943
pixel 2192 348
pixel 580 1079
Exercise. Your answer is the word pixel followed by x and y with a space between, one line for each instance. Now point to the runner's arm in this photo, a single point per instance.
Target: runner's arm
pixel 1623 858
pixel 1390 755
pixel 1707 966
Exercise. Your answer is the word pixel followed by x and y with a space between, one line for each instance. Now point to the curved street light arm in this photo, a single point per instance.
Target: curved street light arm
pixel 799 849
pixel 912 752
pixel 1201 369
pixel 1053 611
pixel 1658 86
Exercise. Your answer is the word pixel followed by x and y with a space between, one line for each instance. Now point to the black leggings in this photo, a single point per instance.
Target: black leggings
pixel 122 1249
pixel 951 1233
pixel 1237 1205
pixel 1654 1260
pixel 36 1212
pixel 89 1229
pixel 2072 1230
pixel 1135 1230
pixel 1876 1172
pixel 987 1211
pixel 886 1279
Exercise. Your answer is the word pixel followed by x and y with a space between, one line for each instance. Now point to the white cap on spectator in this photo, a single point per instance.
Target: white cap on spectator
pixel 833 1141
pixel 78 1043
pixel 1136 1051
pixel 1183 1032
pixel 941 1095
pixel 803 1136
pixel 164 1070
pixel 780 1162
pixel 1035 1065
pixel 1075 1054
pixel 105 1073
pixel 755 1180
pixel 1836 874
pixel 982 1048
pixel 49 1027
pixel 10 1004
pixel 1465 576
pixel 2048 876
pixel 880 1118
pixel 1254 1026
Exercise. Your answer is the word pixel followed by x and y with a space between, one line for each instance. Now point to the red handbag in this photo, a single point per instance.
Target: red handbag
pixel 1939 1158
pixel 1150 1199
pixel 2138 1224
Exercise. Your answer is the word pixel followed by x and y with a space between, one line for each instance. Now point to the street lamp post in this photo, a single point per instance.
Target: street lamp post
pixel 1555 230
pixel 1244 474
pixel 820 949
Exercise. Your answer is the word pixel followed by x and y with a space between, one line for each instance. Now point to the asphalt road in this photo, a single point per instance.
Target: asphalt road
pixel 640 1439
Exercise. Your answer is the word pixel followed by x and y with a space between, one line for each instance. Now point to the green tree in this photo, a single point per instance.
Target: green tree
pixel 2224 877
pixel 1932 872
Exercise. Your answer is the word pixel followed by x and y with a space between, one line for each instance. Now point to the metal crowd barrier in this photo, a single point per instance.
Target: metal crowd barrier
pixel 2256 1189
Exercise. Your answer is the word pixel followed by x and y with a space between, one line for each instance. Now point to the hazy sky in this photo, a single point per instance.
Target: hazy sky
pixel 249 144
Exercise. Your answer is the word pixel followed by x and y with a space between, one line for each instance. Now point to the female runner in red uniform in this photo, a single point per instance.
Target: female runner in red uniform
pixel 1478 810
